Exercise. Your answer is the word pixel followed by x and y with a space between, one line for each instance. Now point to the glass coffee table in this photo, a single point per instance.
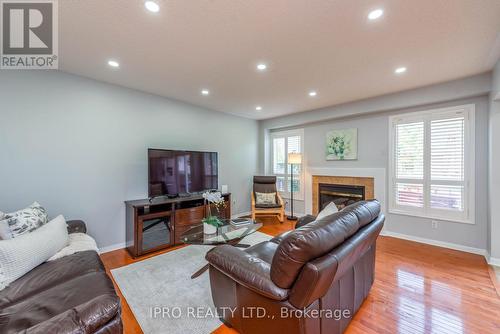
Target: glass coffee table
pixel 228 233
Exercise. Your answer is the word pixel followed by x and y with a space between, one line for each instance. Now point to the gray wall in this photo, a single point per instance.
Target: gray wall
pixel 494 167
pixel 373 149
pixel 79 146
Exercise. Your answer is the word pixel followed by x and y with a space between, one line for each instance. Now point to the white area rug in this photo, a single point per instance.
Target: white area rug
pixel 163 284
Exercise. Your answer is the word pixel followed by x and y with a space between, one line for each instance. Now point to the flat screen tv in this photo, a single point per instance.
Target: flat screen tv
pixel 181 172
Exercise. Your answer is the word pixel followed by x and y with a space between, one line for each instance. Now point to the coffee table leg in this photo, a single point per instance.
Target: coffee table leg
pixel 200 271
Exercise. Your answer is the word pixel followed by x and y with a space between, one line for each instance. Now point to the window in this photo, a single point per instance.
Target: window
pixel 283 143
pixel 432 164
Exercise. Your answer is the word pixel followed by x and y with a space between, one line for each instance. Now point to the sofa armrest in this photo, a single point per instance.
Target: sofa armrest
pixel 76 226
pixel 247 270
pixel 305 220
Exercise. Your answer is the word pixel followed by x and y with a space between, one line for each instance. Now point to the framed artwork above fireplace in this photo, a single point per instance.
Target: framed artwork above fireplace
pixel 342 144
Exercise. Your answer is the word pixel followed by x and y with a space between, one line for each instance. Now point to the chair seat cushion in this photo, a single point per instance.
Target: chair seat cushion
pixel 267 206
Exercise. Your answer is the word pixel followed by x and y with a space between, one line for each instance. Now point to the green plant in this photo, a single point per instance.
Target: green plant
pixel 212 220
pixel 218 201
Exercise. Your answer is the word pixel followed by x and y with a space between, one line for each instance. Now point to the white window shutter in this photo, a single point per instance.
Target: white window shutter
pixel 447 167
pixel 409 158
pixel 447 149
pixel 279 156
pixel 282 143
pixel 432 163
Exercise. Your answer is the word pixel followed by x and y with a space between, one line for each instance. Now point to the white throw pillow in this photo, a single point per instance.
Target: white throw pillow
pixel 27 220
pixel 78 242
pixel 22 254
pixel 5 230
pixel 265 198
pixel 330 209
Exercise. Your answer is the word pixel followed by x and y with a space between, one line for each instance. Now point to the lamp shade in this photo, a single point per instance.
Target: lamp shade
pixel 294 158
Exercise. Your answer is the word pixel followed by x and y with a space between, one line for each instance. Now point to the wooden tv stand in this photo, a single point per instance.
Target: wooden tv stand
pixel 159 223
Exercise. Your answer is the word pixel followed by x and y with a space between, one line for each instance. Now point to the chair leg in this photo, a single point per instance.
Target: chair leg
pixel 253 214
pixel 282 216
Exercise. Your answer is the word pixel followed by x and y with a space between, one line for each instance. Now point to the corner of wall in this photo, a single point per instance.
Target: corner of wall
pixel 494 165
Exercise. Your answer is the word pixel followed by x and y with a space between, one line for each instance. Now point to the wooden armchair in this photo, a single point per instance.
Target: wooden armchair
pixel 267 184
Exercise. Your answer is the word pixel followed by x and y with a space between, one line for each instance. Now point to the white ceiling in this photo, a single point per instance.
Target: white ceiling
pixel 325 45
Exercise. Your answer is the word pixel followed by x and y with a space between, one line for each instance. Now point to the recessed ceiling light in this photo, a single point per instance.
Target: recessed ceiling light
pixel 400 70
pixel 113 63
pixel 375 14
pixel 261 67
pixel 152 6
pixel 258 108
pixel 313 93
pixel 205 92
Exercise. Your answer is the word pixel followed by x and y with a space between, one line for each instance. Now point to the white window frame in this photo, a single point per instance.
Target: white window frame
pixel 468 215
pixel 284 134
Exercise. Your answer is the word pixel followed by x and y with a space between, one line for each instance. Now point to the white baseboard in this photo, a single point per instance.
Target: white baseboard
pixel 296 214
pixel 287 213
pixel 112 247
pixel 493 261
pixel 436 243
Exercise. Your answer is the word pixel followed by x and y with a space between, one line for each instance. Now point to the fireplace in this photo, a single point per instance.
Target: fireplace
pixel 342 190
pixel 340 194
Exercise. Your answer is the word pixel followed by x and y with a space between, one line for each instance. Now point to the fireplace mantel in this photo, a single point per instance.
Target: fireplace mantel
pixel 378 175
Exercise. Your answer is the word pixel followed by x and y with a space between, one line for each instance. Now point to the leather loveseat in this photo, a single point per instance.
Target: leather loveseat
pixel 309 280
pixel 70 295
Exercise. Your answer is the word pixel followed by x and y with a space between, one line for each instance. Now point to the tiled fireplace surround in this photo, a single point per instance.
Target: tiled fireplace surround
pixel 372 179
pixel 364 184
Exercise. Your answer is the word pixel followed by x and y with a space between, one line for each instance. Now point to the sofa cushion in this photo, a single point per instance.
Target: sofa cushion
pixel 71 294
pixel 79 305
pixel 318 238
pixel 94 316
pixel 280 237
pixel 263 250
pixel 51 274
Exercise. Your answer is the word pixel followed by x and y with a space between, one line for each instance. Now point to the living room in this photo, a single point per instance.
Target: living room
pixel 247 167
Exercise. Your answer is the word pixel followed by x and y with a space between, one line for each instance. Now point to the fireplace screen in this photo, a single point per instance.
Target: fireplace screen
pixel 341 195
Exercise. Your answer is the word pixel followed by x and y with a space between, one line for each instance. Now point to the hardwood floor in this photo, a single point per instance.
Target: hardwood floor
pixel 418 289
pixel 495 277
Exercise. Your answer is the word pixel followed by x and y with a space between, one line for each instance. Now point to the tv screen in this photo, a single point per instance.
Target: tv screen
pixel 181 172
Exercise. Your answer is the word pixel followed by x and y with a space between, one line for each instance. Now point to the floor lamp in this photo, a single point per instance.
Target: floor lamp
pixel 293 159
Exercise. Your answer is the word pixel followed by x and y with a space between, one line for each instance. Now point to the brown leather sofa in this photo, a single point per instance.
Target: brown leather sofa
pixel 69 295
pixel 309 280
